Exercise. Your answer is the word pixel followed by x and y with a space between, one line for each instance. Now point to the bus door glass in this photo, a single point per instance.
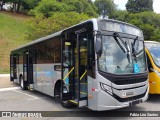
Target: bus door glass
pixel 25 66
pixel 31 60
pixel 15 63
pixel 28 66
pixel 68 70
pixel 82 90
pixel 12 68
pixel 74 72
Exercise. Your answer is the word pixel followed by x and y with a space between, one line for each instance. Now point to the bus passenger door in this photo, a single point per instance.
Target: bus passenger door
pixel 12 68
pixel 31 61
pixel 74 72
pixel 28 69
pixel 25 70
pixel 68 70
pixel 14 63
pixel 81 62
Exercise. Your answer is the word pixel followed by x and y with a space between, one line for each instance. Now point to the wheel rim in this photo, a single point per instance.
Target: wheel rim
pixel 21 82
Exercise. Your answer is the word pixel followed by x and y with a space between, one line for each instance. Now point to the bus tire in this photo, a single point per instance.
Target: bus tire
pixel 67 104
pixel 22 84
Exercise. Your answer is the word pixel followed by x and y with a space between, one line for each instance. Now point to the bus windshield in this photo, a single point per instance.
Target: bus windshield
pixel 154 49
pixel 120 27
pixel 114 60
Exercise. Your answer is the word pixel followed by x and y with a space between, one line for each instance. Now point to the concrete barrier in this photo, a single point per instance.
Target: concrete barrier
pixel 3 75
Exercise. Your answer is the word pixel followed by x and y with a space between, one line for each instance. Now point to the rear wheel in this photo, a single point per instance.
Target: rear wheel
pixel 22 84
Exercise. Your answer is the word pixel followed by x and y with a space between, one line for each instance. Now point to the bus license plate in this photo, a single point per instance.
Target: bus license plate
pixel 135 102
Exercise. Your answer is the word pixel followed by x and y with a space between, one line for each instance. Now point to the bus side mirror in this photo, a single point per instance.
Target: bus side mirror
pixel 98 46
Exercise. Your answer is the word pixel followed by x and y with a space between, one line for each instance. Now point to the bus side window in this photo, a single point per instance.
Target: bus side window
pixel 149 63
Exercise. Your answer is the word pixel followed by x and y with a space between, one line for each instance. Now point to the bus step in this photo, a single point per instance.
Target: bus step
pixel 82 92
pixel 81 83
pixel 74 101
pixel 57 96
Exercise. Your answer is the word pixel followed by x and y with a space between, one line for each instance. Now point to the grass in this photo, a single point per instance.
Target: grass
pixel 13 30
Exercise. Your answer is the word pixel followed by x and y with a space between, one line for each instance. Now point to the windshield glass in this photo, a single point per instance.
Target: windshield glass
pixel 120 27
pixel 115 60
pixel 154 49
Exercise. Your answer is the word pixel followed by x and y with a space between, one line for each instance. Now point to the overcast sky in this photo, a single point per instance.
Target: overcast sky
pixel 121 5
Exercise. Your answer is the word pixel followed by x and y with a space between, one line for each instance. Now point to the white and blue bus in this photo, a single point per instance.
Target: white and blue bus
pixel 99 63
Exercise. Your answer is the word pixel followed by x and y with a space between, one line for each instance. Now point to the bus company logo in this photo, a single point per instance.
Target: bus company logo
pixel 130 93
pixel 124 94
pixel 127 94
pixel 6 114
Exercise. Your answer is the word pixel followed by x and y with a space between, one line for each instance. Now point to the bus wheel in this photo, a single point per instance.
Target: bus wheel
pixel 68 104
pixel 22 84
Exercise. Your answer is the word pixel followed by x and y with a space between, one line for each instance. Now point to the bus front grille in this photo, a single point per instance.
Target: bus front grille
pixel 129 81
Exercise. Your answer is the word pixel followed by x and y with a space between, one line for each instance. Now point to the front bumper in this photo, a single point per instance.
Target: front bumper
pixel 108 102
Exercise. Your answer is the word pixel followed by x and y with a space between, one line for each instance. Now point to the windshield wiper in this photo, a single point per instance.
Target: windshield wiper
pixel 125 47
pixel 126 50
pixel 134 52
pixel 133 45
pixel 115 35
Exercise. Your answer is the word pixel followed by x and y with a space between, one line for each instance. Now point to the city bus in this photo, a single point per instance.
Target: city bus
pixel 153 58
pixel 99 63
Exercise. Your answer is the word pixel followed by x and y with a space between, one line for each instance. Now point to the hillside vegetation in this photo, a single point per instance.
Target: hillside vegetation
pixel 49 16
pixel 13 29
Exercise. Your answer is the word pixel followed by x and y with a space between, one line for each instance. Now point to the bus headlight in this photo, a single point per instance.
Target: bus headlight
pixel 106 88
pixel 153 70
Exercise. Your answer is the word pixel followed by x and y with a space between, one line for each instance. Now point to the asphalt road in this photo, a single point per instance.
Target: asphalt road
pixel 12 98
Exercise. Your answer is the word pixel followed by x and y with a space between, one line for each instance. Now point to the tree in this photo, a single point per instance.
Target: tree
pixel 105 7
pixel 148 31
pixel 136 6
pixel 16 4
pixel 42 26
pixel 1 4
pixel 47 8
pixel 20 5
pixel 29 4
pixel 82 6
pixel 148 21
pixel 93 5
pixel 121 15
pixel 15 7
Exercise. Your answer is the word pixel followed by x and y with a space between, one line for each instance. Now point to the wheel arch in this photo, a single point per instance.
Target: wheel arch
pixel 57 86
